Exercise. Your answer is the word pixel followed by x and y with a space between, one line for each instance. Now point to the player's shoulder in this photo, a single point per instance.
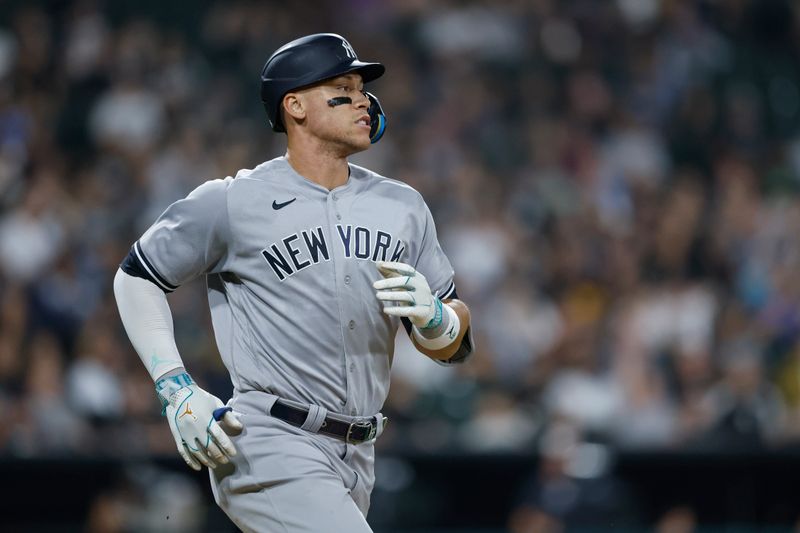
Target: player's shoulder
pixel 272 170
pixel 383 186
pixel 212 187
pixel 240 182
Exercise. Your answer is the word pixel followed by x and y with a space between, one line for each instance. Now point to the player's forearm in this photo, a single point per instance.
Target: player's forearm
pixel 443 354
pixel 147 318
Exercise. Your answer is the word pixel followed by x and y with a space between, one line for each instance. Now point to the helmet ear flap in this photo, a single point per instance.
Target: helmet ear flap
pixel 377 119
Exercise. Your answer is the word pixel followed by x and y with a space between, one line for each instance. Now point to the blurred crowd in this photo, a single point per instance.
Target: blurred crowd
pixel 616 182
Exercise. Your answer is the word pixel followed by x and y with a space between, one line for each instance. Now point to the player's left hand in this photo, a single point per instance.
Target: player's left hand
pixel 406 293
pixel 199 422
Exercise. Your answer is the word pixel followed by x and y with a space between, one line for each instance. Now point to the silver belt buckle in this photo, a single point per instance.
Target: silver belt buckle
pixel 366 424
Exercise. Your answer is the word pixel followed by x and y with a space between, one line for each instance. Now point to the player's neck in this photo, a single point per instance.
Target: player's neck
pixel 323 168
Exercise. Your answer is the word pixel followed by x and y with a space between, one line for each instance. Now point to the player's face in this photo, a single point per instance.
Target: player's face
pixel 345 125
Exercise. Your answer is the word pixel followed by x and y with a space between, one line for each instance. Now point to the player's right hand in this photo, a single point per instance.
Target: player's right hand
pixel 199 422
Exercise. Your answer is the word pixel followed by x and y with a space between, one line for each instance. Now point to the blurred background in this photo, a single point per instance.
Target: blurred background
pixel 617 183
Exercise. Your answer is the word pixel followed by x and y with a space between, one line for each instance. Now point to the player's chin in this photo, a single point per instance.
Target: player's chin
pixel 359 142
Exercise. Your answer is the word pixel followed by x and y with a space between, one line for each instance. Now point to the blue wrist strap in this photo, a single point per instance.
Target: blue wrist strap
pixel 436 321
pixel 165 387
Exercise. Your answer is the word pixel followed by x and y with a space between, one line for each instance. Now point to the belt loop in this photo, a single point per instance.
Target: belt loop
pixel 316 416
pixel 380 423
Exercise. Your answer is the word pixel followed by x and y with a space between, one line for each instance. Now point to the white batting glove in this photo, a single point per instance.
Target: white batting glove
pixel 199 422
pixel 406 293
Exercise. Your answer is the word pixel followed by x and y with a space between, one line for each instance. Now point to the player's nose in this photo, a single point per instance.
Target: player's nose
pixel 362 100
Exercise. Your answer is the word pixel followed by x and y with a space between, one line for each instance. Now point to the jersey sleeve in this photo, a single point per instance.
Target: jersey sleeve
pixel 189 239
pixel 433 262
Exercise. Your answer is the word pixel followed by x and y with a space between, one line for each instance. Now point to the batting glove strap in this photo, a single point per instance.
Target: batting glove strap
pixel 167 386
pixel 436 320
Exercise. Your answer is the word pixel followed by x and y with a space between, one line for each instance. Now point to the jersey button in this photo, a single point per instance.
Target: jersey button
pixel 335 197
pixel 352 324
pixel 352 367
pixel 347 282
pixel 338 216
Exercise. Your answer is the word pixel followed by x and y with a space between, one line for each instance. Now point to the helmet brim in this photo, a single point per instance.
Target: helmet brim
pixel 368 71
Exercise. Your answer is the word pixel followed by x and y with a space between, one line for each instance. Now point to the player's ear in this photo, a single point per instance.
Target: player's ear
pixel 293 107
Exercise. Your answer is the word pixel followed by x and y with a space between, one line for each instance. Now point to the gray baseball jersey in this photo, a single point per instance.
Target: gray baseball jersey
pixel 290 267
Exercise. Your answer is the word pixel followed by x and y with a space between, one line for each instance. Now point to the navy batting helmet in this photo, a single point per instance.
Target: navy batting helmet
pixel 309 60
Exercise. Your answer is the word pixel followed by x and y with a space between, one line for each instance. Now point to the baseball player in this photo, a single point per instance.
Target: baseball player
pixel 312 264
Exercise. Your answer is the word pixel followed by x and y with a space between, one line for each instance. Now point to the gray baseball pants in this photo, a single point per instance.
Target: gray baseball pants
pixel 287 480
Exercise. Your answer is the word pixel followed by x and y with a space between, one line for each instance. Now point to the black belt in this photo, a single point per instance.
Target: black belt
pixel 356 432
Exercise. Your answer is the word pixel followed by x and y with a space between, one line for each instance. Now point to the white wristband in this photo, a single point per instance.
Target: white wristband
pixel 446 338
